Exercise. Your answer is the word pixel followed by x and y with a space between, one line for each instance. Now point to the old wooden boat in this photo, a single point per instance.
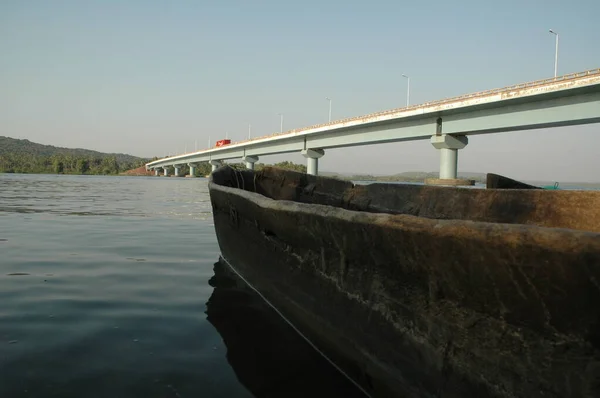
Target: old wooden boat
pixel 433 291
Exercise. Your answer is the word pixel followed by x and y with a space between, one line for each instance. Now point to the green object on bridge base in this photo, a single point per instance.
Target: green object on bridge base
pixel 555 186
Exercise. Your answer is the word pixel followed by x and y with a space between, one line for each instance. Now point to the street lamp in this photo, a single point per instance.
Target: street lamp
pixel 249 130
pixel 329 99
pixel 281 122
pixel 407 89
pixel 555 52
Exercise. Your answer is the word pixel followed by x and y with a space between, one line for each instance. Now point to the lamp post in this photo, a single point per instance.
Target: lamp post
pixel 329 99
pixel 407 89
pixel 249 130
pixel 555 53
pixel 280 122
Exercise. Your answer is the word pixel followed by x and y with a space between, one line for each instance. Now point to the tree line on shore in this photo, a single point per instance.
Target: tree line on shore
pixel 65 164
pixel 24 156
pixel 103 165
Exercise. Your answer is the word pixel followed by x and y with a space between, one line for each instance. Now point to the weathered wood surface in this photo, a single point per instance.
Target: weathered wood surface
pixel 481 303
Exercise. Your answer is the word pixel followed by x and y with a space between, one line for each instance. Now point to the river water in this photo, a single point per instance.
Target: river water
pixel 109 287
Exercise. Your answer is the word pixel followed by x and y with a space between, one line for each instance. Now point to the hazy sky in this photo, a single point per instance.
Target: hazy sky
pixel 151 78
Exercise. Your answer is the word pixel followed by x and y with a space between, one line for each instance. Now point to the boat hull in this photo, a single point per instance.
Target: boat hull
pixel 427 307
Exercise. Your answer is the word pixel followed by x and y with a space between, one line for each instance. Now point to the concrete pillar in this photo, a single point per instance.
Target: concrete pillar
pixel 166 171
pixel 250 160
pixel 312 166
pixel 215 164
pixel 155 172
pixel 192 167
pixel 312 160
pixel 449 146
pixel 177 168
pixel 448 163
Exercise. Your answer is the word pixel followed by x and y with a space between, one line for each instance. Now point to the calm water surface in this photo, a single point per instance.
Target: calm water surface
pixel 109 288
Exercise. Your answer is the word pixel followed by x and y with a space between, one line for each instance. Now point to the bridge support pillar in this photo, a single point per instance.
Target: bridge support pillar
pixel 155 172
pixel 215 164
pixel 192 167
pixel 448 146
pixel 250 160
pixel 166 171
pixel 177 168
pixel 312 160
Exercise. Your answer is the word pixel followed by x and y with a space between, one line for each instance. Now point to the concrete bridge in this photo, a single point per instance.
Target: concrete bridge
pixel 568 100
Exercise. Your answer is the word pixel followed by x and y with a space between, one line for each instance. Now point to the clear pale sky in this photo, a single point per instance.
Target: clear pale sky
pixel 152 78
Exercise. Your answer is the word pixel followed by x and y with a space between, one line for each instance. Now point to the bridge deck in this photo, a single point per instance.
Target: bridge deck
pixel 523 90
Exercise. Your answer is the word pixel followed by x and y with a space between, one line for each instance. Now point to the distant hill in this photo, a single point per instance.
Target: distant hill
pixel 25 147
pixel 24 156
pixel 411 176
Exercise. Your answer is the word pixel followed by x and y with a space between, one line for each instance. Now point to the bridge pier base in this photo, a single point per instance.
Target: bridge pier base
pixel 177 168
pixel 448 146
pixel 215 164
pixel 192 167
pixel 155 172
pixel 166 171
pixel 312 160
pixel 250 160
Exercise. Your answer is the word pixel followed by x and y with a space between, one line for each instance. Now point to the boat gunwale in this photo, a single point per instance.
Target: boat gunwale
pixel 443 227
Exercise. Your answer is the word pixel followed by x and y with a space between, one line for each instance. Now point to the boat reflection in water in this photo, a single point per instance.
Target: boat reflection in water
pixel 268 356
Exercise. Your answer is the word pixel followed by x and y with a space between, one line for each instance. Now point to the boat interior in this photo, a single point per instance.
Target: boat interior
pixel 571 209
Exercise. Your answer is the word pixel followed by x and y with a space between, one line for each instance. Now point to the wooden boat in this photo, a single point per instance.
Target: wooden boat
pixel 433 291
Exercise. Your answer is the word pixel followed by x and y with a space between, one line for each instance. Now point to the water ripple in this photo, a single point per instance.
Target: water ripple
pixel 103 289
